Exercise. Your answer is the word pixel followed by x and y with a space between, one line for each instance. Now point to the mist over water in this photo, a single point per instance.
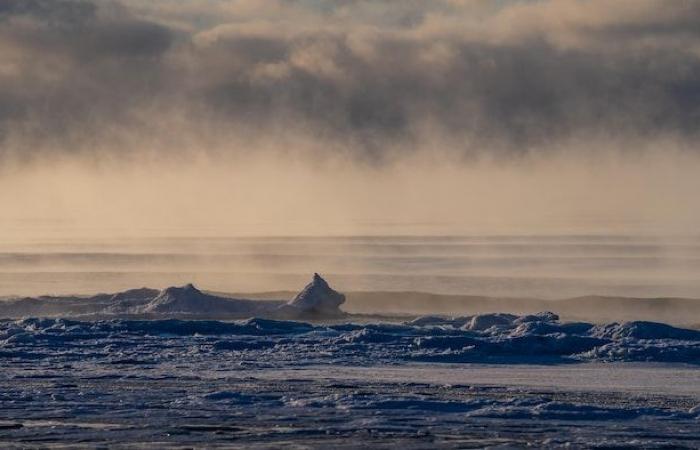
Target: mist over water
pixel 158 143
pixel 552 228
pixel 544 266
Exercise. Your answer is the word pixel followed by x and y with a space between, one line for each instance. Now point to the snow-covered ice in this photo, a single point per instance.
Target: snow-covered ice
pixel 144 373
pixel 488 338
pixel 316 300
pixel 274 383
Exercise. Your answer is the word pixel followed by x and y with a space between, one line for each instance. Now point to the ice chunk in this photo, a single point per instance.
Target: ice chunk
pixel 429 321
pixel 318 298
pixel 188 300
pixel 135 294
pixel 179 299
pixel 646 330
pixel 483 322
pixel 545 316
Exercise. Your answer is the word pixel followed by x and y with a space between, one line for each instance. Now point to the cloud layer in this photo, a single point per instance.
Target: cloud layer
pixel 107 77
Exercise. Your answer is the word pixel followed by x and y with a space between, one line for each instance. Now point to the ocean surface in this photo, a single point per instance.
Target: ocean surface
pixel 543 266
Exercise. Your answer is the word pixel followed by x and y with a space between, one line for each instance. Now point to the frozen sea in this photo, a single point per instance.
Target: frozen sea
pixel 489 380
pixel 504 381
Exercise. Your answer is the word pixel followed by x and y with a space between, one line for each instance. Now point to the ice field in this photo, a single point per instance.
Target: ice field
pixel 485 380
pixel 184 367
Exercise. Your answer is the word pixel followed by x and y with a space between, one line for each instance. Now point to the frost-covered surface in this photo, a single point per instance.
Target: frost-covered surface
pixel 275 383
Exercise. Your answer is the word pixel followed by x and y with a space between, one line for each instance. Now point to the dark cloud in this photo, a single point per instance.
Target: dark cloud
pixel 68 72
pixel 372 75
pixel 61 12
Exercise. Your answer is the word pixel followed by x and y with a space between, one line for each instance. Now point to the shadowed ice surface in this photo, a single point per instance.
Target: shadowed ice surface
pixel 273 383
pixel 148 368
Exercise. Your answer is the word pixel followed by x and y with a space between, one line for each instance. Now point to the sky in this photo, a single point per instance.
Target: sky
pixel 313 116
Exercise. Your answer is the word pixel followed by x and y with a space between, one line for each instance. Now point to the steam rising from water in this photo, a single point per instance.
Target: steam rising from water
pixel 370 79
pixel 311 117
pixel 287 196
pixel 143 118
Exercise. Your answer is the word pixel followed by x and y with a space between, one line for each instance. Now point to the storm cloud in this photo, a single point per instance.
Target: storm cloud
pixel 472 76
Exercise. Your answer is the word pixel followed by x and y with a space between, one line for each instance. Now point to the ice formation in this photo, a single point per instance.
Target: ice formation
pixel 477 338
pixel 491 338
pixel 179 382
pixel 188 300
pixel 316 300
pixel 181 299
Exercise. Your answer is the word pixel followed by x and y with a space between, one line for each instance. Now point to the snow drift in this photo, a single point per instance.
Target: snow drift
pixel 317 300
